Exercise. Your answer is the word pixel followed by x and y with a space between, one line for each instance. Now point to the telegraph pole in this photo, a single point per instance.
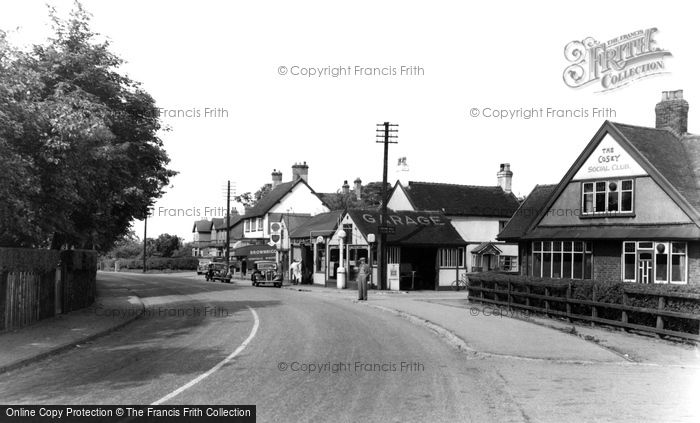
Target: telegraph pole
pixel 145 223
pixel 228 222
pixel 387 134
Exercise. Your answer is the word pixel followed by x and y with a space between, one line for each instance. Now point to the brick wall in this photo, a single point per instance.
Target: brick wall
pixel 607 263
pixel 694 263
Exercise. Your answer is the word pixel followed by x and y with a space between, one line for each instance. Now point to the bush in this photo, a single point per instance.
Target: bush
pixel 153 263
pixel 644 296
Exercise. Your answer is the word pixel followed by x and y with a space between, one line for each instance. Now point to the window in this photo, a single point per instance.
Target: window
pixel 451 257
pixel 393 255
pixel 320 257
pixel 260 224
pixel 663 261
pixel 347 228
pixel 607 197
pixel 508 263
pixel 562 259
pixel 246 225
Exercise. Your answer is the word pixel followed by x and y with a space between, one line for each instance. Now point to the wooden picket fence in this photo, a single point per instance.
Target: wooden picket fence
pixel 36 284
pixel 507 298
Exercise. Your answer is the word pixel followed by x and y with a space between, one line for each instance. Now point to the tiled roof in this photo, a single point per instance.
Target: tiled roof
pixel 217 223
pixel 527 212
pixel 202 226
pixel 462 200
pixel 273 197
pixel 409 232
pixel 270 199
pixel 677 159
pixel 321 224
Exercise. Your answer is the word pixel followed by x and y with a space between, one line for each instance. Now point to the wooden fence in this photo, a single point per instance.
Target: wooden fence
pixel 36 284
pixel 507 297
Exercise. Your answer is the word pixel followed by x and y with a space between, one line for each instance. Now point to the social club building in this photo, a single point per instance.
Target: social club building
pixel 627 210
pixel 424 250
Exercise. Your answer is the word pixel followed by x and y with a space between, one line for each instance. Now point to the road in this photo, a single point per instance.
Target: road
pixel 305 357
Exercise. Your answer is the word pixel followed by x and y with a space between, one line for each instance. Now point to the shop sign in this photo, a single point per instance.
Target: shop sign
pixel 608 160
pixel 397 219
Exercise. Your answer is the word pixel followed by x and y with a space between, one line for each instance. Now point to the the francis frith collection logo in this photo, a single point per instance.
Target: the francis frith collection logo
pixel 616 62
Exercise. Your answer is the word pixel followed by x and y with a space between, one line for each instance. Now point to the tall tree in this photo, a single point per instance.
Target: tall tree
pixel 81 138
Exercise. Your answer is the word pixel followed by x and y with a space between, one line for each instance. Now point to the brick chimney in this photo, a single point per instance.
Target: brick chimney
pixel 358 189
pixel 505 177
pixel 672 112
pixel 346 187
pixel 300 170
pixel 276 178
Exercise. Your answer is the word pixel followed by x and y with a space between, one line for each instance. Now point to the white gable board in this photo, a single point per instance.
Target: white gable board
pixel 399 201
pixel 609 160
pixel 300 200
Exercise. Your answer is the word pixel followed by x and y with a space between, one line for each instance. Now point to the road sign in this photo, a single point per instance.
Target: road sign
pixel 386 229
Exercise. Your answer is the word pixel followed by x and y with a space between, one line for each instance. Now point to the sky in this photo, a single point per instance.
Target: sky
pixel 234 80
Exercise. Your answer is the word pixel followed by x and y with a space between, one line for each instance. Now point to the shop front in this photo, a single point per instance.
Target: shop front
pixel 249 254
pixel 424 251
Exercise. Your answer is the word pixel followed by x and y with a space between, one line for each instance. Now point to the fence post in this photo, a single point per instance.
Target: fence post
pixel 660 319
pixel 568 304
pixel 625 318
pixel 481 291
pixel 594 309
pixel 546 301
pixel 509 288
pixel 527 291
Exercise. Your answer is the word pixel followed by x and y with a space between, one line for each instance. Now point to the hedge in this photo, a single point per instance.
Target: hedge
pixel 153 263
pixel 646 296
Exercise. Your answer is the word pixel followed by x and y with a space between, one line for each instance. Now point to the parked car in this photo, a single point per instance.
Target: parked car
pixel 218 272
pixel 203 266
pixel 266 272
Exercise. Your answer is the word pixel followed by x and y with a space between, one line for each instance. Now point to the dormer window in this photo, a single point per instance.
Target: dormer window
pixel 610 197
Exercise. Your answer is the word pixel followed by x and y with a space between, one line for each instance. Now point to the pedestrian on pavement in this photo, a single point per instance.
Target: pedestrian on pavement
pixel 363 272
pixel 296 272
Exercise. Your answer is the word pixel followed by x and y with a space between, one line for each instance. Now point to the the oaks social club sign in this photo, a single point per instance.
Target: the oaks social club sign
pixel 616 62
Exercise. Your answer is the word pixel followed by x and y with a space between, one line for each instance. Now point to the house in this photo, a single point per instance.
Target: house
pixel 628 208
pixel 285 206
pixel 478 213
pixel 201 237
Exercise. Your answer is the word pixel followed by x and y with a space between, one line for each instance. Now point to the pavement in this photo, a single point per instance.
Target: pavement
pixel 114 308
pixel 475 328
pixel 490 331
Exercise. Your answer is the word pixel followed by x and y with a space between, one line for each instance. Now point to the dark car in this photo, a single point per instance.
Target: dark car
pixel 218 272
pixel 203 266
pixel 266 272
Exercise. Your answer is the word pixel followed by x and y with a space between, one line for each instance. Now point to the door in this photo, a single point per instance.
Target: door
pixel 645 268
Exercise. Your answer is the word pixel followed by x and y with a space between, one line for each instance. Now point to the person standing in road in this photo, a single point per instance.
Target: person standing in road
pixel 363 272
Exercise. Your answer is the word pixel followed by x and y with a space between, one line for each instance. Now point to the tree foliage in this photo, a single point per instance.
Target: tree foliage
pixel 248 199
pixel 370 198
pixel 79 148
pixel 166 244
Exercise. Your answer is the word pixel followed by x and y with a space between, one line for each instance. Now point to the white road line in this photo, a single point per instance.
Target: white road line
pixel 203 376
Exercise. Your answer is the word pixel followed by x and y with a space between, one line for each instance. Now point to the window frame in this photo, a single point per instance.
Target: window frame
pixel 594 192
